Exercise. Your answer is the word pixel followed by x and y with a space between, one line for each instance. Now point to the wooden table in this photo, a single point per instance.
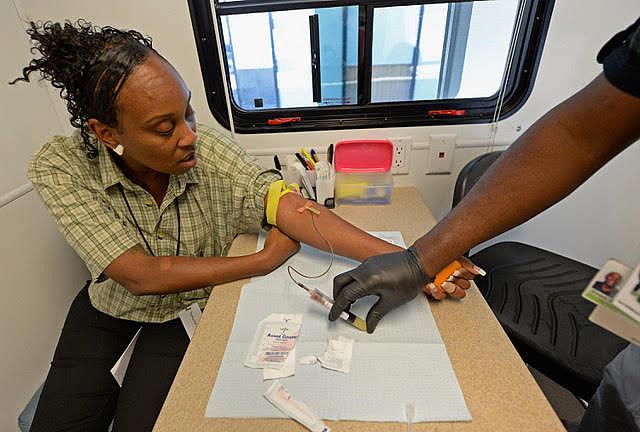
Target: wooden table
pixel 499 390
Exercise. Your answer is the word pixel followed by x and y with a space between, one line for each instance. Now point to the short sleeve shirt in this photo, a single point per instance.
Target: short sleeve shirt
pixel 221 197
pixel 620 58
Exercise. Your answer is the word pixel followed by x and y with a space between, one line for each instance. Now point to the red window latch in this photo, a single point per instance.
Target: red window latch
pixel 446 112
pixel 283 120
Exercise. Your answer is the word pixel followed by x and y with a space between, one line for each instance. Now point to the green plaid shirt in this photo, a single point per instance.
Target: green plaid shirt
pixel 222 196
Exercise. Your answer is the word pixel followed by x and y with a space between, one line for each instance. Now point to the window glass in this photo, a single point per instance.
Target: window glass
pixel 490 29
pixel 440 51
pixel 269 57
pixel 407 52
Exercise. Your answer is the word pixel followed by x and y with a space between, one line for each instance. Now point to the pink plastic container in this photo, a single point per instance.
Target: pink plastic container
pixel 357 156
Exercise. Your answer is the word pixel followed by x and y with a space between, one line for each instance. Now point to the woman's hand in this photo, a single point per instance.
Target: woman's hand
pixel 458 283
pixel 278 247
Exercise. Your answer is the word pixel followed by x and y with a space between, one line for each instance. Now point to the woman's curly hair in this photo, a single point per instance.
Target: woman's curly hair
pixel 88 64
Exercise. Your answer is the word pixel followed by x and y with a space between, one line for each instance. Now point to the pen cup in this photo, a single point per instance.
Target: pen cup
pixel 291 175
pixel 324 190
pixel 308 184
pixel 325 183
pixel 312 177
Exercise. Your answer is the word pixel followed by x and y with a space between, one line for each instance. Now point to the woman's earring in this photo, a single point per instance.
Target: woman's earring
pixel 119 150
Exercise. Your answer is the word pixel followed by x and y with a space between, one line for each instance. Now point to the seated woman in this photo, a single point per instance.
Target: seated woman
pixel 152 208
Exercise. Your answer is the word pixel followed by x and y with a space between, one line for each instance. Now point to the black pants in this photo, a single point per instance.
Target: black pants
pixel 80 394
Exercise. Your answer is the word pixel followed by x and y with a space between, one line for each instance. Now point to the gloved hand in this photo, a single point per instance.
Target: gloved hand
pixel 395 278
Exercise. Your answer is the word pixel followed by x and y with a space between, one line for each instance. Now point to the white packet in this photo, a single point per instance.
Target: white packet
pixel 281 399
pixel 338 353
pixel 274 339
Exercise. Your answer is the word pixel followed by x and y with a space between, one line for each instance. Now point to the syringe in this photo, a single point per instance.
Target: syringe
pixel 326 301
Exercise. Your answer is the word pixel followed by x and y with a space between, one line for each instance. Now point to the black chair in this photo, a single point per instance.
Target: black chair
pixel 471 173
pixel 535 294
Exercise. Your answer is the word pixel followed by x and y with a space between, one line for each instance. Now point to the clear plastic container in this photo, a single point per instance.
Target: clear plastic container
pixel 364 188
pixel 363 172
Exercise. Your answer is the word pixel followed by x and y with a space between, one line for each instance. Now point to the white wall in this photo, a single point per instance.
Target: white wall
pixel 40 274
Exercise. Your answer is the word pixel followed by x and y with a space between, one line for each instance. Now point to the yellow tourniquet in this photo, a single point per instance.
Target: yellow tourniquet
pixel 277 190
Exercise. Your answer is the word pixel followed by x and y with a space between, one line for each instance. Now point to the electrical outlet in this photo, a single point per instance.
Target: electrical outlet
pixel 401 152
pixel 440 156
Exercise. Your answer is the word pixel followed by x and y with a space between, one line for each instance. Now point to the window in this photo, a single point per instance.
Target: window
pixel 346 64
pixel 269 58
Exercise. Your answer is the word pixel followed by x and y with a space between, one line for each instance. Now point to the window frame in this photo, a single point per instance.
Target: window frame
pixel 528 51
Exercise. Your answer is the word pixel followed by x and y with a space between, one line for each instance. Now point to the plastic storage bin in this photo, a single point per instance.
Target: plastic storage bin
pixel 364 188
pixel 363 172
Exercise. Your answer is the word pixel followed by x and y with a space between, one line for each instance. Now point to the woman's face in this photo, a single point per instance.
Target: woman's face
pixel 156 124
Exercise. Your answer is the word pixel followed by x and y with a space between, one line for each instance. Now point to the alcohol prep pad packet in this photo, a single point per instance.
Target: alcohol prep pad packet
pixel 273 340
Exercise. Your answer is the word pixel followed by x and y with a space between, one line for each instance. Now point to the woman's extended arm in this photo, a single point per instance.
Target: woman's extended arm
pixel 143 274
pixel 346 239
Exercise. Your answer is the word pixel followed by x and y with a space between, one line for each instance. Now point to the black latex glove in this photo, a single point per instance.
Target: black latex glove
pixel 395 278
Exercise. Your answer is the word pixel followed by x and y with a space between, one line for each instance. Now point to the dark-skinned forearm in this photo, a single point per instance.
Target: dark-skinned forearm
pixel 143 274
pixel 557 154
pixel 346 239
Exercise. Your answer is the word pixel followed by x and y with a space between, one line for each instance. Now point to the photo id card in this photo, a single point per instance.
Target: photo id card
pixel 606 283
pixel 628 299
